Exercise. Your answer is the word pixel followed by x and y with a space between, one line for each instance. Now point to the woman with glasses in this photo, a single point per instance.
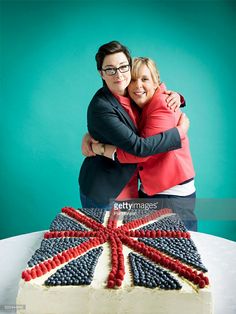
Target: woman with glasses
pixel 168 177
pixel 111 119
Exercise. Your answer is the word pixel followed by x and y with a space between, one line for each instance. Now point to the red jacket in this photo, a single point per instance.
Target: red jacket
pixel 164 170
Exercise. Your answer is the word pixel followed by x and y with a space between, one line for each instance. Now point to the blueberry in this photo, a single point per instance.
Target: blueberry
pixel 148 275
pixel 79 271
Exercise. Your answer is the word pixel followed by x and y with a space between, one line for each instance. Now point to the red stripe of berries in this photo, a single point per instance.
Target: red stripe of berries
pixel 141 221
pixel 87 221
pixel 70 233
pixel 156 234
pixel 117 272
pixel 113 218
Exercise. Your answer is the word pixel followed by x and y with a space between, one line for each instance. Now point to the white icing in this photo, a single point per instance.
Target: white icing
pixel 97 299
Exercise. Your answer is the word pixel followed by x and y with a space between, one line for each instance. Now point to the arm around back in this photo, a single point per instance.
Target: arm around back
pixel 107 123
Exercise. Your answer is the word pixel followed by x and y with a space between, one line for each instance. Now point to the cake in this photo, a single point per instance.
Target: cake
pixel 99 262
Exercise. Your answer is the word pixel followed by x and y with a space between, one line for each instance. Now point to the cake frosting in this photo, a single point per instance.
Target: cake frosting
pixel 93 261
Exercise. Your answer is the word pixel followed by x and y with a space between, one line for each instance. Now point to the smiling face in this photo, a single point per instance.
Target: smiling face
pixel 118 82
pixel 143 84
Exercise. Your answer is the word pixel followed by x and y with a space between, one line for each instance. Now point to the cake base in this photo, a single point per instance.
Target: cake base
pixel 50 286
pixel 87 300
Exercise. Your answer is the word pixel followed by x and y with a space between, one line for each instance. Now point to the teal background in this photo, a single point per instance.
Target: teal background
pixel 48 76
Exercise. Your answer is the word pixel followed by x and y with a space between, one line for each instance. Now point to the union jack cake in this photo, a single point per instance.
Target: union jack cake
pixel 99 262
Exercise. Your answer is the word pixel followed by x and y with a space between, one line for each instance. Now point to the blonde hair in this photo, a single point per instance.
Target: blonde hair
pixel 138 62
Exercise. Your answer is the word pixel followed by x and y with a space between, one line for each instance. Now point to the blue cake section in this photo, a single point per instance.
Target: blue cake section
pixel 51 247
pixel 97 214
pixel 148 275
pixel 77 272
pixel 63 223
pixel 171 223
pixel 182 249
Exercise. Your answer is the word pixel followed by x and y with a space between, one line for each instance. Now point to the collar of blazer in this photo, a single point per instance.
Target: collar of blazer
pixel 115 103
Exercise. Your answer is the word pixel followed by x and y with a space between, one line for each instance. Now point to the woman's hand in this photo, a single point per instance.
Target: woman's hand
pixel 97 148
pixel 86 145
pixel 183 124
pixel 173 100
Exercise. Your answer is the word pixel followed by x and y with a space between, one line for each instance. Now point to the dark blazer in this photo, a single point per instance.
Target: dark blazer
pixel 101 178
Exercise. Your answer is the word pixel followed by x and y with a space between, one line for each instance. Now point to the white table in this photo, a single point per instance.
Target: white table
pixel 218 255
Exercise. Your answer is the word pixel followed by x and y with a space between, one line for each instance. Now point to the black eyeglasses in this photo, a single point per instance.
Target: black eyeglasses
pixel 112 71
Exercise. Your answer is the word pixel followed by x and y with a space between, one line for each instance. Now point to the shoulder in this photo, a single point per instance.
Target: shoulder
pixel 99 99
pixel 102 102
pixel 158 102
pixel 98 95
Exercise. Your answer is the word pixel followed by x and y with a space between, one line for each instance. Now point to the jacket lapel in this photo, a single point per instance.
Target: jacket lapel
pixel 115 103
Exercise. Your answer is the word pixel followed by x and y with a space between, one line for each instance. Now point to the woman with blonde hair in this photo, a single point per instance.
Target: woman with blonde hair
pixel 168 176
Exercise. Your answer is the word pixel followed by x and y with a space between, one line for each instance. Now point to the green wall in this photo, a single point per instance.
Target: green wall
pixel 48 77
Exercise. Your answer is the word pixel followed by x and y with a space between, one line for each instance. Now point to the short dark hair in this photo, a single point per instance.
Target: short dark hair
pixel 108 49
